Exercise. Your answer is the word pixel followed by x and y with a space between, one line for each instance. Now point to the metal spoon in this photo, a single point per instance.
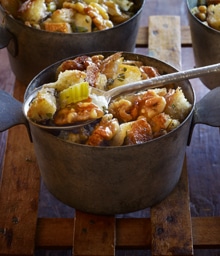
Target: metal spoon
pixel 155 82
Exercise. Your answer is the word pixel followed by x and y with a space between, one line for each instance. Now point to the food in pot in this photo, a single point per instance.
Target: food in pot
pixel 129 119
pixel 208 11
pixel 71 16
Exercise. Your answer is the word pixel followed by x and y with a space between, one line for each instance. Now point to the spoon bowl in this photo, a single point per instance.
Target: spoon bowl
pixel 155 82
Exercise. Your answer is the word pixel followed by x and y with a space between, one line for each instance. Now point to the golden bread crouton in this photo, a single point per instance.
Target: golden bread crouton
pixel 162 123
pixel 33 11
pixel 66 79
pixel 82 23
pixel 62 15
pixel 43 106
pixel 126 74
pixel 58 27
pixel 213 16
pixel 177 105
pixel 60 21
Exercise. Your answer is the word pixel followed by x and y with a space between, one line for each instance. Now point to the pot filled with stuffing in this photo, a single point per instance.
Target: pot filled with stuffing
pixel 38 33
pixel 130 155
pixel 204 21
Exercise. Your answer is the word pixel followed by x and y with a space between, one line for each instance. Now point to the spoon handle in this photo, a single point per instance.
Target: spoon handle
pixel 163 80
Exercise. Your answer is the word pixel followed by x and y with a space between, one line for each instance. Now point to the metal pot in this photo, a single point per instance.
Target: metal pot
pixel 206 45
pixel 31 50
pixel 112 180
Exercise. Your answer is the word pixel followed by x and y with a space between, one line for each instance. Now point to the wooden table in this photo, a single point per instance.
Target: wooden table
pixel 176 226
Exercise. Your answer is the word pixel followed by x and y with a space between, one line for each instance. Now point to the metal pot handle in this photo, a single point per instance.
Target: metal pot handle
pixel 11 112
pixel 7 39
pixel 207 111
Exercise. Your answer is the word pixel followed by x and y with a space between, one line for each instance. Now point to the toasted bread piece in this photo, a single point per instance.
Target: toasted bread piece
pixel 126 74
pixel 62 15
pixel 213 16
pixel 43 106
pixel 83 23
pixel 58 27
pixel 33 11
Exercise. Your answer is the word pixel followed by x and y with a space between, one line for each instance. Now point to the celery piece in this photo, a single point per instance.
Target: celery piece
pixel 51 7
pixel 73 94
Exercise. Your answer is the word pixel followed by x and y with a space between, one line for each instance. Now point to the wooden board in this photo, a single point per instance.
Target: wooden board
pixel 94 235
pixel 19 192
pixel 171 222
pixel 171 219
pixel 142 37
pixel 164 40
pixel 131 233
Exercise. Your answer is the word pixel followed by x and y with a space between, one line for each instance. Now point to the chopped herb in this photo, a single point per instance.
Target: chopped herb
pixel 78 28
pixel 105 109
pixel 110 81
pixel 121 77
pixel 173 106
pixel 81 29
pixel 49 115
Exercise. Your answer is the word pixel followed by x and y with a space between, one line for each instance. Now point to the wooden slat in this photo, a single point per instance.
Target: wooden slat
pixel 94 235
pixel 171 222
pixel 142 37
pixel 131 233
pixel 186 39
pixel 206 232
pixel 55 233
pixel 19 192
pixel 164 39
pixel 171 219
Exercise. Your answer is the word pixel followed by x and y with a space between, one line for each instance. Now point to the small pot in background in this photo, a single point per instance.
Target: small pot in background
pixel 31 50
pixel 206 45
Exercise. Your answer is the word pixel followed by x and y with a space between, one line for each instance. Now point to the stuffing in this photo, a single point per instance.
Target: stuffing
pixel 43 107
pixel 128 119
pixel 177 106
pixel 65 16
pixel 213 16
pixel 208 12
pixel 33 11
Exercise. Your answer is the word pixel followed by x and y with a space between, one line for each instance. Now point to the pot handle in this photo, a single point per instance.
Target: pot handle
pixel 11 112
pixel 207 111
pixel 7 39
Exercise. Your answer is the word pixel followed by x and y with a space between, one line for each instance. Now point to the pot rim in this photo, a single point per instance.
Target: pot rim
pixel 29 90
